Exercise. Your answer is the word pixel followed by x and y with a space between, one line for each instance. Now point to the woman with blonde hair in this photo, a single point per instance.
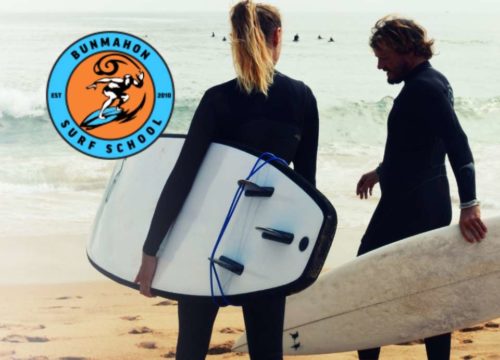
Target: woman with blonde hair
pixel 261 109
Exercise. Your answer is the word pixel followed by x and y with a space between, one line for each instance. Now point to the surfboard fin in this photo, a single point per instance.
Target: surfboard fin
pixel 276 235
pixel 229 264
pixel 252 189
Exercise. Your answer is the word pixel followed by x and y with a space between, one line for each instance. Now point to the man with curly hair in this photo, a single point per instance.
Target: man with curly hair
pixel 422 129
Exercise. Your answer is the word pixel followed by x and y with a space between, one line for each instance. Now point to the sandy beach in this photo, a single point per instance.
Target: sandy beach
pixel 104 320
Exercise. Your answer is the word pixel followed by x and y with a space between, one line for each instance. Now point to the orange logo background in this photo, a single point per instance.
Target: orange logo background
pixel 82 101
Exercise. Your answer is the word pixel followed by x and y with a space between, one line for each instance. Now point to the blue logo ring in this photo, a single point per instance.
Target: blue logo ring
pixel 117 42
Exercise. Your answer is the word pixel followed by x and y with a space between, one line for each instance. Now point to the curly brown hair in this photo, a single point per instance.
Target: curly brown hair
pixel 401 35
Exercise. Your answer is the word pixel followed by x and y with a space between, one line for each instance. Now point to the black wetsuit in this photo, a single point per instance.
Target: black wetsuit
pixel 284 123
pixel 422 129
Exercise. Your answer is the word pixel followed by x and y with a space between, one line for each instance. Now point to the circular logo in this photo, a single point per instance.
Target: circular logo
pixel 110 95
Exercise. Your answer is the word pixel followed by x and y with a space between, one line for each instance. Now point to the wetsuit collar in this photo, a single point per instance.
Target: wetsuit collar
pixel 417 69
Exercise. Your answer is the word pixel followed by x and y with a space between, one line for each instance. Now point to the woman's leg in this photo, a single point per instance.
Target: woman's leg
pixel 196 320
pixel 264 317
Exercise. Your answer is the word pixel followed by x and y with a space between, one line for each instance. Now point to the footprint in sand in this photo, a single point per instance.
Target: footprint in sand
pixel 166 303
pixel 221 348
pixel 474 328
pixel 69 297
pixel 72 358
pixel 492 325
pixel 230 330
pixel 21 326
pixel 467 341
pixel 169 355
pixel 468 357
pixel 131 318
pixel 147 345
pixel 140 330
pixel 24 339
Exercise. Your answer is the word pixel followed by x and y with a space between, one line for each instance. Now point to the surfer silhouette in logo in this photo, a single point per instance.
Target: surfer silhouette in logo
pixel 116 90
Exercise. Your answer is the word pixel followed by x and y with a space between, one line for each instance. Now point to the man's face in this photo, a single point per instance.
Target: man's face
pixel 396 65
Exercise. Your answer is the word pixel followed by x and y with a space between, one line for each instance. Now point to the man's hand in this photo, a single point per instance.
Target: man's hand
pixel 471 225
pixel 366 184
pixel 146 274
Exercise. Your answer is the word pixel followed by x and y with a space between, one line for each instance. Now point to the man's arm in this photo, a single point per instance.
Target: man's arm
pixel 446 125
pixel 366 183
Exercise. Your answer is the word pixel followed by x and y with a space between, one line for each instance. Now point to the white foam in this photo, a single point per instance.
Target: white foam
pixel 17 103
pixel 70 172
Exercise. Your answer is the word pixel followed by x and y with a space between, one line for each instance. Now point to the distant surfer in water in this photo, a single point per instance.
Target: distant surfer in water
pixel 422 129
pixel 261 109
pixel 115 89
pixel 296 38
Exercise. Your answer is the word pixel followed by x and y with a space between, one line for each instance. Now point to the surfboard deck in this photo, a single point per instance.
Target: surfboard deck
pixel 423 286
pixel 295 207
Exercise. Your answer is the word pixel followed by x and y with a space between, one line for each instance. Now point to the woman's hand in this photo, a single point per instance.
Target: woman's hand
pixel 146 274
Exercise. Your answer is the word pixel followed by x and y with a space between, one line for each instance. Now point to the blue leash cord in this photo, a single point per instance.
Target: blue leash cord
pixel 213 271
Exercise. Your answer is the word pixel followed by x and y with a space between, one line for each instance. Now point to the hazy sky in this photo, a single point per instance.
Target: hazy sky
pixel 223 5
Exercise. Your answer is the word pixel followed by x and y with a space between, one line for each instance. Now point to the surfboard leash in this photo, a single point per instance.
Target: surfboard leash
pixel 236 198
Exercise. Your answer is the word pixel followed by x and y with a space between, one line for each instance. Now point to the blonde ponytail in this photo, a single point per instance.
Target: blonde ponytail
pixel 252 28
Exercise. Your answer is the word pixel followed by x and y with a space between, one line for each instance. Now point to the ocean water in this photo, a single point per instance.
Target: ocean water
pixel 47 189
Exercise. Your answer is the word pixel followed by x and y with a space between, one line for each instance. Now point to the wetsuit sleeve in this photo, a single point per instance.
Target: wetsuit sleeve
pixel 446 125
pixel 305 158
pixel 182 177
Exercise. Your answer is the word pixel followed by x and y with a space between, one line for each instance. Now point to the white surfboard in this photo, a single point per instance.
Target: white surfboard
pixel 419 287
pixel 274 242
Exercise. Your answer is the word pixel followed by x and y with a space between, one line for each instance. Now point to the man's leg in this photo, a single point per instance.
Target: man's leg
pixel 375 237
pixel 438 347
pixel 111 97
pixel 369 354
pixel 123 99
